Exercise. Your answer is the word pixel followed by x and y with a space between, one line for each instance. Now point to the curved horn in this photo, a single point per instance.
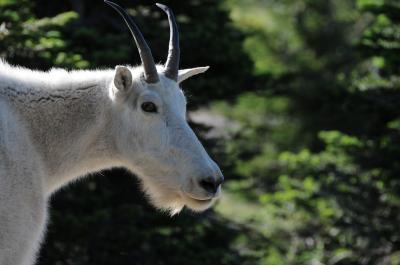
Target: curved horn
pixel 150 70
pixel 172 64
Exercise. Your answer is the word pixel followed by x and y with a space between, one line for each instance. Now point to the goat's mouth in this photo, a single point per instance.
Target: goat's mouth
pixel 201 200
pixel 195 203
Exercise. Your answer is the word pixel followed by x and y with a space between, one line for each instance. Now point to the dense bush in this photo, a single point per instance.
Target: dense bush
pixel 317 147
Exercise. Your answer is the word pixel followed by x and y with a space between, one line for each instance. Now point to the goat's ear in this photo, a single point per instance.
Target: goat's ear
pixel 186 73
pixel 122 78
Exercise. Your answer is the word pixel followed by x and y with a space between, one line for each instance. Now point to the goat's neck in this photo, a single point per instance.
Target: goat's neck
pixel 69 126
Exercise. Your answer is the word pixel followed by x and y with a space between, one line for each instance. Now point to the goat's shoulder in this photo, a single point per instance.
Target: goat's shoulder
pixel 17 152
pixel 12 131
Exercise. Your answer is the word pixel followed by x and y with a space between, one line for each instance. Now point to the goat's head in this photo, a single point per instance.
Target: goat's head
pixel 153 134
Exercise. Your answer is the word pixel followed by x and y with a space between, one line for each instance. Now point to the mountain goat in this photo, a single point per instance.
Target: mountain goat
pixel 57 126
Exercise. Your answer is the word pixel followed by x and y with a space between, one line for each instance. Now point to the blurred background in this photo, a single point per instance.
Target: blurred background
pixel 301 108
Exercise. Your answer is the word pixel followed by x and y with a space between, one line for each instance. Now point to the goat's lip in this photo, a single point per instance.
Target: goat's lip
pixel 202 200
pixel 195 198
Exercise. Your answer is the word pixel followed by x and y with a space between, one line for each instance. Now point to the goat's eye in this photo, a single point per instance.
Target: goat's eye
pixel 149 107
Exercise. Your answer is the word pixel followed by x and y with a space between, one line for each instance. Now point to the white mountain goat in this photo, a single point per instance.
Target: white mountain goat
pixel 57 126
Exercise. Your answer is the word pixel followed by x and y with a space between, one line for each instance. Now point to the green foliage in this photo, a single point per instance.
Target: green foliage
pixel 84 34
pixel 330 185
pixel 38 43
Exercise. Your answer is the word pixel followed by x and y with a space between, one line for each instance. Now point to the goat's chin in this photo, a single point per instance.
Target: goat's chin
pixel 173 207
pixel 173 201
pixel 163 198
pixel 166 201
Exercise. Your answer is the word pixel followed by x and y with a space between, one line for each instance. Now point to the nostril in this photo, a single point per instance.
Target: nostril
pixel 209 184
pixel 220 180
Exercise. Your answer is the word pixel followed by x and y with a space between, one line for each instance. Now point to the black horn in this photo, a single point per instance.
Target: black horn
pixel 150 70
pixel 172 63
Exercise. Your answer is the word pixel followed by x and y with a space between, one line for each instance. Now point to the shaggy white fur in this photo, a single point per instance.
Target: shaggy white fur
pixel 58 126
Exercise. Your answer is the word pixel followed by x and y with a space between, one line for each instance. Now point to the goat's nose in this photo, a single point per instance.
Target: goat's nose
pixel 211 184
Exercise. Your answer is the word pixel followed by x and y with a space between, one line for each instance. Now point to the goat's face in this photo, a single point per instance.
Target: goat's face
pixel 157 143
pixel 152 133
